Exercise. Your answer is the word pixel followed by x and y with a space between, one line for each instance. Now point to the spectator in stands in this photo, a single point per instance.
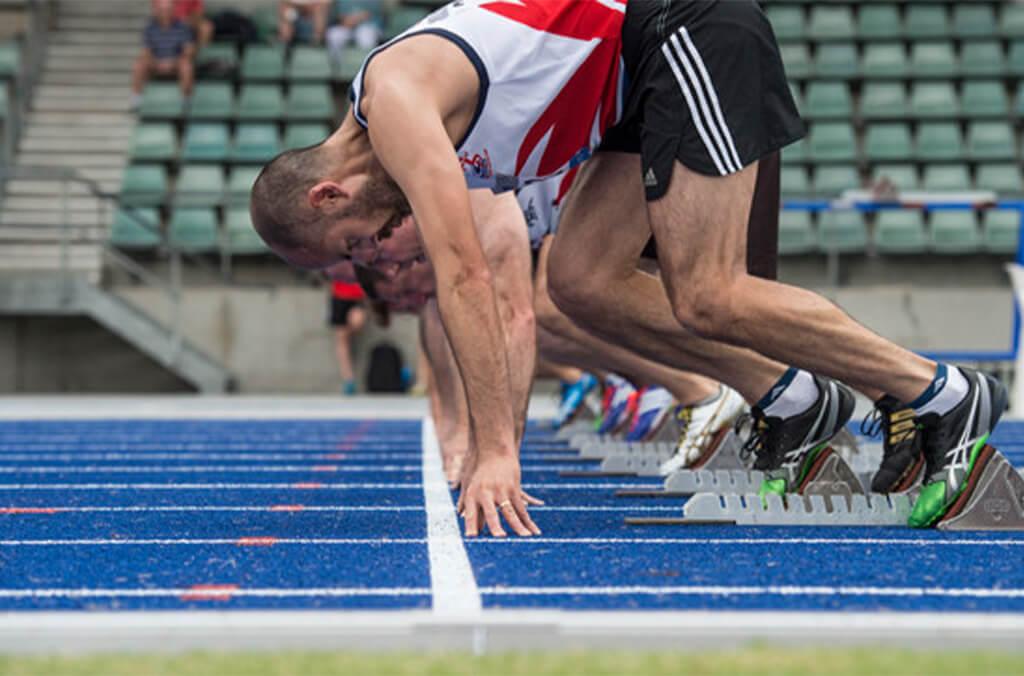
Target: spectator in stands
pixel 358 21
pixel 168 49
pixel 191 12
pixel 302 20
pixel 347 318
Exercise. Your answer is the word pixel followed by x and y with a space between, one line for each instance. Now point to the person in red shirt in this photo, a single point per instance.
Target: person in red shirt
pixel 347 318
pixel 191 12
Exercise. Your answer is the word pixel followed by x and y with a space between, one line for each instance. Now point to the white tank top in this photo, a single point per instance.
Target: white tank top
pixel 551 83
pixel 541 202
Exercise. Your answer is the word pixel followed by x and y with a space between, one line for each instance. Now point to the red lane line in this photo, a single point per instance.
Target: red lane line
pixel 256 542
pixel 307 485
pixel 209 592
pixel 287 508
pixel 27 510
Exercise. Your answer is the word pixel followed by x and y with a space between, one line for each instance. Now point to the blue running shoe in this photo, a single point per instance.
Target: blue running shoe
pixel 618 414
pixel 573 398
pixel 654 408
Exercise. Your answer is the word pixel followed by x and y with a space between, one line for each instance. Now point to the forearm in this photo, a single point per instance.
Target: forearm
pixel 450 399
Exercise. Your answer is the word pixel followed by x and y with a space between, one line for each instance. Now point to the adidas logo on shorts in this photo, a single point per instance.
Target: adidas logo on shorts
pixel 650 180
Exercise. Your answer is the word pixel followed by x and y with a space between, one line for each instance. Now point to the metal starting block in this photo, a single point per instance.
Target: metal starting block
pixel 993 499
pixel 721 469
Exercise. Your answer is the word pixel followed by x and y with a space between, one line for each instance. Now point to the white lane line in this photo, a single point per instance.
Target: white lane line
pixel 452 582
pixel 6 458
pixel 638 590
pixel 751 590
pixel 219 486
pixel 513 541
pixel 59 509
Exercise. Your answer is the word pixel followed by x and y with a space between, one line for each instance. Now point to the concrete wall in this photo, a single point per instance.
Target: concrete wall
pixel 278 340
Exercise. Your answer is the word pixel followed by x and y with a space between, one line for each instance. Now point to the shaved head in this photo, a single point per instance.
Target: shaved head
pixel 280 208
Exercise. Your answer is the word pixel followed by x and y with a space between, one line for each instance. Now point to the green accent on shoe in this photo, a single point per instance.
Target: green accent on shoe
pixel 598 421
pixel 805 466
pixel 932 504
pixel 771 487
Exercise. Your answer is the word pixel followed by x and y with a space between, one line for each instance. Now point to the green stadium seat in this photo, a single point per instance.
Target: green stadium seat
pixel 955 232
pixel 900 232
pixel 833 180
pixel 836 61
pixel 349 63
pixel 832 142
pixel 128 233
pixel 1015 60
pixel 161 101
pixel 263 62
pixel 302 135
pixel 982 59
pixel 266 20
pixel 144 185
pixel 795 153
pixel 255 143
pixel 240 235
pixel 796 235
pixel 984 98
pixel 975 20
pixel 830 22
pixel 1004 178
pixel 1011 21
pixel 888 141
pixel 205 142
pixel 946 177
pixel 194 229
pixel 879 100
pixel 794 181
pixel 933 59
pixel 309 102
pixel 991 141
pixel 199 185
pixel 260 102
pixel 939 141
pixel 926 21
pixel 797 60
pixel 842 232
pixel 879 22
pixel 934 100
pixel 884 60
pixel 309 64
pixel 1001 230
pixel 402 18
pixel 154 142
pixel 828 100
pixel 1018 104
pixel 212 101
pixel 221 54
pixel 240 184
pixel 902 177
pixel 787 21
pixel 10 60
pixel 5 107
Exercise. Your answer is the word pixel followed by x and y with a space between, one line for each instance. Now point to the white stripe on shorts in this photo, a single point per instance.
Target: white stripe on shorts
pixel 694 110
pixel 712 94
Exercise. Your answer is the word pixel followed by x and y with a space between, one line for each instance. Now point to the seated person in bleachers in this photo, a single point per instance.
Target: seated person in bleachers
pixel 358 21
pixel 302 21
pixel 167 52
pixel 191 12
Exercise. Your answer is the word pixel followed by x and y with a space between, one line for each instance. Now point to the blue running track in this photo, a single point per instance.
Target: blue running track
pixel 206 514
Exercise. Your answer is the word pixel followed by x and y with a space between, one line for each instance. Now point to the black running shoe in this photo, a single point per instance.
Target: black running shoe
pixel 786 448
pixel 952 443
pixel 902 444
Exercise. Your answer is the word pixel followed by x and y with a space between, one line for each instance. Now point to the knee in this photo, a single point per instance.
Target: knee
pixel 573 292
pixel 707 310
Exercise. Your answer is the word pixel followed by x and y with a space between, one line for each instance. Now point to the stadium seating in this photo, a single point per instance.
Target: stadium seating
pixel 900 232
pixel 144 186
pixel 954 232
pixel 842 232
pixel 128 233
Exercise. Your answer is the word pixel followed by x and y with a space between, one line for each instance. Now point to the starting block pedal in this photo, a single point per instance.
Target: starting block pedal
pixel 993 499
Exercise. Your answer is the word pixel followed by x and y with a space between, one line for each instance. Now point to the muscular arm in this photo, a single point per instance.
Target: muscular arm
pixel 408 134
pixel 448 396
pixel 503 234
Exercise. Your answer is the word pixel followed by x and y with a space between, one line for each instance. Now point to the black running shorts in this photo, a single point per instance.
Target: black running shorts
pixel 339 310
pixel 706 86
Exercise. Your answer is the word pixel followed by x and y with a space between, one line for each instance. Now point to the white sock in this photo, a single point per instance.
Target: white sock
pixel 796 397
pixel 948 394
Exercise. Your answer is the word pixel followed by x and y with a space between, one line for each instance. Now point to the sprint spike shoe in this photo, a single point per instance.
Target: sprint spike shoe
pixel 902 466
pixel 573 396
pixel 699 426
pixel 952 443
pixel 790 451
pixel 653 410
pixel 620 407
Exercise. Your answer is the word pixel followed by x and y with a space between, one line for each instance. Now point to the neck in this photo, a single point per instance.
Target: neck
pixel 352 144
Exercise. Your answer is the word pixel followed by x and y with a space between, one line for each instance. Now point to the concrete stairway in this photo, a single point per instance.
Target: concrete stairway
pixel 79 118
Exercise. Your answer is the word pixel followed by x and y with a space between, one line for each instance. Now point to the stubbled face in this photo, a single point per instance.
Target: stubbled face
pixel 396 253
